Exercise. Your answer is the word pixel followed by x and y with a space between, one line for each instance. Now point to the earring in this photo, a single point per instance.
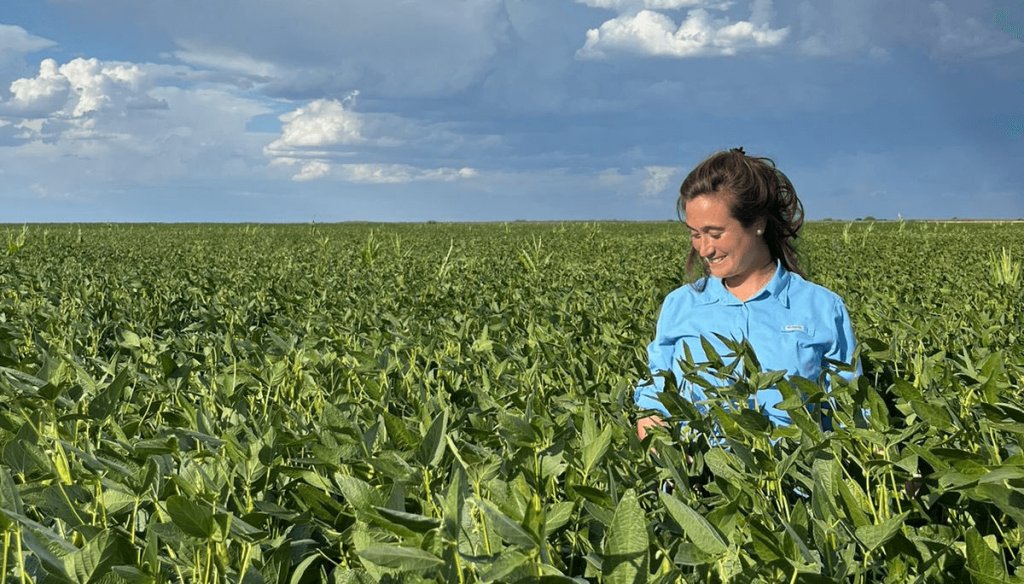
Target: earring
pixel 760 231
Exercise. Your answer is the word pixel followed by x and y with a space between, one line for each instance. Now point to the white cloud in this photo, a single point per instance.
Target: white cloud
pixel 652 33
pixel 627 5
pixel 122 123
pixel 316 127
pixel 960 37
pixel 401 173
pixel 46 92
pixel 18 40
pixel 371 173
pixel 97 86
pixel 658 179
pixel 78 88
pixel 314 136
pixel 312 170
pixel 647 182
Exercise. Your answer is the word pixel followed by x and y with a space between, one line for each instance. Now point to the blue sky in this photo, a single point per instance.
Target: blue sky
pixel 415 110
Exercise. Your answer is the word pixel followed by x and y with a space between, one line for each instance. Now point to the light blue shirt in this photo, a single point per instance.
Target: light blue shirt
pixel 792 325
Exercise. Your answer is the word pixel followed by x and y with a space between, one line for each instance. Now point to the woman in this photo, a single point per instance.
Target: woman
pixel 743 215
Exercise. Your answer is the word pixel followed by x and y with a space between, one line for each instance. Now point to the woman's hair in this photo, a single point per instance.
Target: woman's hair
pixel 755 190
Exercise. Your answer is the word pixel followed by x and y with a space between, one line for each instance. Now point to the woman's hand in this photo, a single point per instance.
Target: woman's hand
pixel 644 423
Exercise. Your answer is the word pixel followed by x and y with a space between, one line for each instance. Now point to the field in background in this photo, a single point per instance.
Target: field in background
pixel 452 403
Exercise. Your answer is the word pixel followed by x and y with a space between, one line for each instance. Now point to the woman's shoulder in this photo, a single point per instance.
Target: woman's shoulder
pixel 690 293
pixel 805 289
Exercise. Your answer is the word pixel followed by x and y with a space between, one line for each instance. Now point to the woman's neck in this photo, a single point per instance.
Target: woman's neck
pixel 752 283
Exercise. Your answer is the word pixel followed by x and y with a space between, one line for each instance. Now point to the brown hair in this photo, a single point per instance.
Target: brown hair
pixel 756 189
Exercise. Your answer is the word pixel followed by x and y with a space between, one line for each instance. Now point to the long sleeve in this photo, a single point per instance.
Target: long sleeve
pixel 659 358
pixel 844 344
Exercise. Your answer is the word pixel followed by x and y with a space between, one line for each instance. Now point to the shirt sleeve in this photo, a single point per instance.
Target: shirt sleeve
pixel 844 342
pixel 659 358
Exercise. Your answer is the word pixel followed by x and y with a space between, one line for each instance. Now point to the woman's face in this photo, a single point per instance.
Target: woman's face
pixel 731 251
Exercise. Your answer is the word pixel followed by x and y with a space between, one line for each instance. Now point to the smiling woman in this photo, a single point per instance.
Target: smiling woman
pixel 743 214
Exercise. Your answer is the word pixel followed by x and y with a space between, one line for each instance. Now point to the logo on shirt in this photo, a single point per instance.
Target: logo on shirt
pixel 793 327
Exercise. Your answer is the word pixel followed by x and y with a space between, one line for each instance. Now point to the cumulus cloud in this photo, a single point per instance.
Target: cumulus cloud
pixel 372 173
pixel 123 123
pixel 78 88
pixel 658 179
pixel 47 92
pixel 401 173
pixel 646 182
pixel 312 170
pixel 314 137
pixel 626 5
pixel 17 40
pixel 316 127
pixel 652 33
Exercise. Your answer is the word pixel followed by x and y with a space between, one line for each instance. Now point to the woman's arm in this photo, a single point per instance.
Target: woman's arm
pixel 643 424
pixel 660 353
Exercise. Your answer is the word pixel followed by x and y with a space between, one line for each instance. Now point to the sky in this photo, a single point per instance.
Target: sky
pixel 502 110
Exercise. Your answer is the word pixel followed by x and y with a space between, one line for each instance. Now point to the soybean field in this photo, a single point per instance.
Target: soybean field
pixel 453 403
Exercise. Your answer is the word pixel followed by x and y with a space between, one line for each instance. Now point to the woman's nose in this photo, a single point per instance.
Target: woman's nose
pixel 703 247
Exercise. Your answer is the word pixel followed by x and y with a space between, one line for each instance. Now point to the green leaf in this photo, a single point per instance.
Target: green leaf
pixel 350 576
pixel 398 432
pixel 195 520
pixel 823 502
pixel 983 563
pixel 50 550
pixel 397 557
pixel 98 556
pixel 507 528
pixel 994 372
pixel 130 340
pixel 107 400
pixel 302 568
pixel 359 494
pixel 594 450
pixel 558 515
pixel 703 535
pixel 764 541
pixel 412 521
pixel 791 398
pixel 25 458
pixel 625 549
pixel 10 498
pixel 723 464
pixel 1002 473
pixel 874 536
pixel 852 504
pixel 1010 502
pixel 754 422
pixel 432 447
pixel 709 350
pixel 454 502
pixel 507 563
pixel 935 415
pixel 131 575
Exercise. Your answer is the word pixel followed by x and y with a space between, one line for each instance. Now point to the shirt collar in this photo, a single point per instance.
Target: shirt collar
pixel 777 289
